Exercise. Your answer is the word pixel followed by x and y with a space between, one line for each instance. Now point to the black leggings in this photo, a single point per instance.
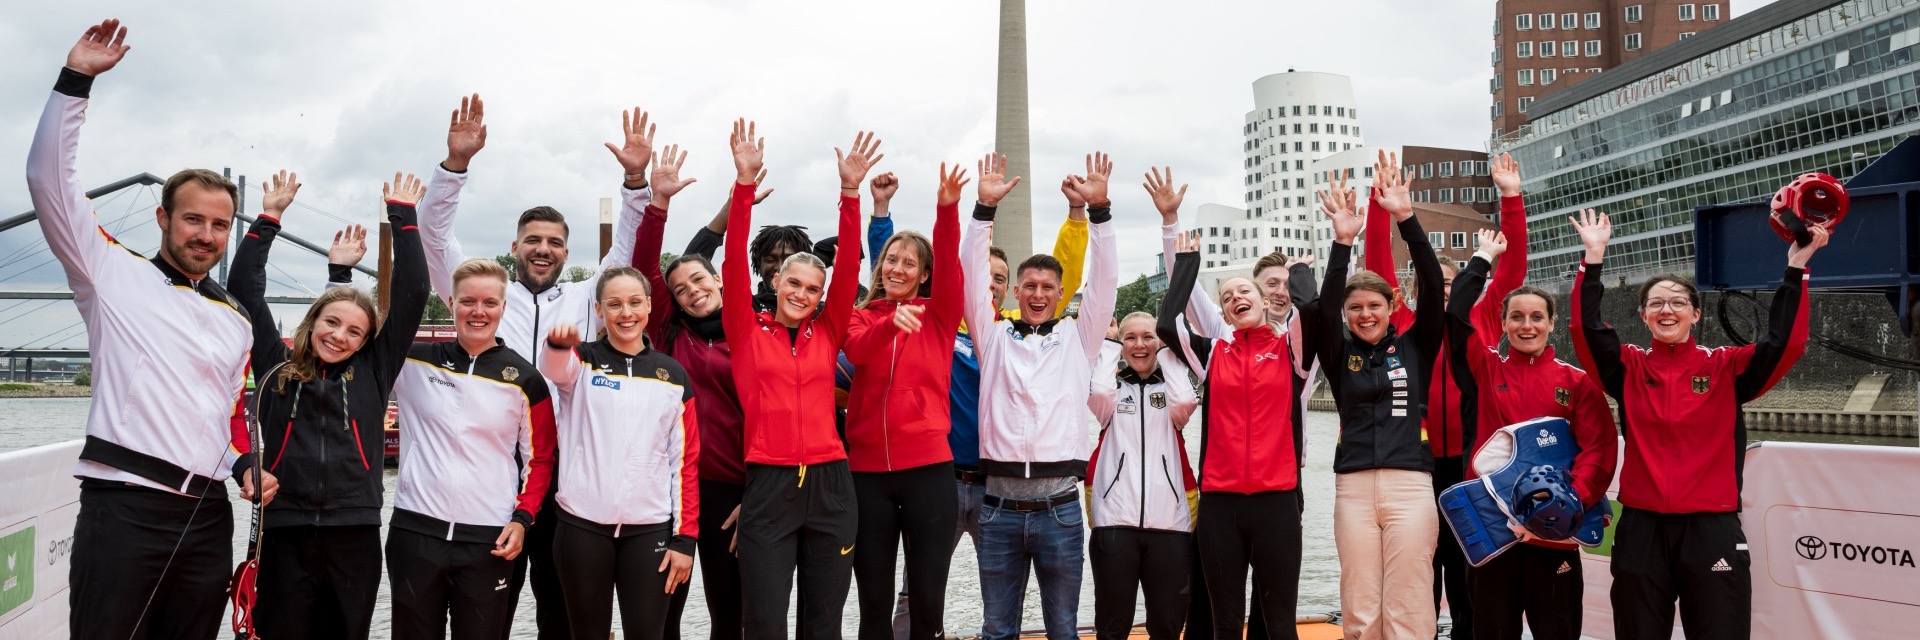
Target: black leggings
pixel 1449 562
pixel 318 582
pixel 1700 559
pixel 1261 530
pixel 591 564
pixel 1541 583
pixel 796 519
pixel 1127 561
pixel 920 506
pixel 434 582
pixel 719 567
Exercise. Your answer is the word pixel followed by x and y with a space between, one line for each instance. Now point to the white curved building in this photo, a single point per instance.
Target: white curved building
pixel 1298 119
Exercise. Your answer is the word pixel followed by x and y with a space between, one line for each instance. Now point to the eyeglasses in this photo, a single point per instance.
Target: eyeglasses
pixel 1676 304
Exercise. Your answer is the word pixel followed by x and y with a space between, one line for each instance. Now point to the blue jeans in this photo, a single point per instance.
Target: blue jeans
pixel 1053 543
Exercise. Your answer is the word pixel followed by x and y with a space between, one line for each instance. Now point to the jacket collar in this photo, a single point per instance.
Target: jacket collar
pixel 1129 376
pixel 1022 329
pixel 1545 356
pixel 1662 349
pixel 175 276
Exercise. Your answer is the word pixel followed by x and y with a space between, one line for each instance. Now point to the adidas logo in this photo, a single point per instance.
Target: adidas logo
pixel 1564 567
pixel 1722 565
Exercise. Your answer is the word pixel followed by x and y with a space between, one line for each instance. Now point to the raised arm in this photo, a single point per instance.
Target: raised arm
pixel 708 238
pixel 1511 271
pixel 981 309
pixel 635 153
pixel 466 136
pixel 1430 317
pixel 949 285
pixel 559 364
pixel 1594 341
pixel 1103 266
pixel 1194 350
pixel 248 279
pixel 409 282
pixel 736 308
pixel 1389 198
pixel 1104 391
pixel 1070 247
pixel 1774 352
pixel 845 284
pixel 1324 329
pixel 53 184
pixel 880 225
pixel 1203 313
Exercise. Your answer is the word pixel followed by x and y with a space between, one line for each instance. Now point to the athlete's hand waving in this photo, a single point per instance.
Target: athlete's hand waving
pixel 1337 204
pixel 281 189
pixel 101 47
pixel 1160 188
pixel 466 134
pixel 666 175
pixel 563 336
pixel 636 147
pixel 349 246
pixel 1506 175
pixel 749 152
pixel 994 184
pixel 405 189
pixel 1093 187
pixel 1595 230
pixel 1393 185
pixel 855 165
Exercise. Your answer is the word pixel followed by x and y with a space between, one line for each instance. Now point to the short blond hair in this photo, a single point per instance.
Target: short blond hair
pixel 478 268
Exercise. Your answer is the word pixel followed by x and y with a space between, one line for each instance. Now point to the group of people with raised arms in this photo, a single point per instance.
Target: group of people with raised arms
pixel 594 437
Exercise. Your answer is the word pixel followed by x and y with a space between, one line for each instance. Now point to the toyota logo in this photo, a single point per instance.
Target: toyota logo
pixel 1811 547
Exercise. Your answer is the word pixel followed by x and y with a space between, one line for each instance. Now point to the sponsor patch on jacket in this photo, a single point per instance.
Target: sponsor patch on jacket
pixel 1127 406
pixel 1399 394
pixel 603 381
pixel 510 374
pixel 1399 413
pixel 1393 362
pixel 1353 363
pixel 1158 399
pixel 1397 374
pixel 1700 385
pixel 1562 396
pixel 1399 384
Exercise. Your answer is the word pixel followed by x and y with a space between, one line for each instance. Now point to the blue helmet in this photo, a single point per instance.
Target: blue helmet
pixel 1545 503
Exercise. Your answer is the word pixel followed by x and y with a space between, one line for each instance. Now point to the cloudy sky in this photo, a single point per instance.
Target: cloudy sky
pixel 347 92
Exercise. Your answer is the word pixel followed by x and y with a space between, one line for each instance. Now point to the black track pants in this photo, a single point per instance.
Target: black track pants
pixel 919 506
pixel 1541 583
pixel 318 582
pixel 1262 531
pixel 796 519
pixel 428 578
pixel 591 565
pixel 1449 562
pixel 1698 558
pixel 719 568
pixel 1127 561
pixel 1200 608
pixel 535 564
pixel 120 582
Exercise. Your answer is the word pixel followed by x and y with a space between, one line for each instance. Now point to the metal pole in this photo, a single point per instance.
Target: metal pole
pixel 606 226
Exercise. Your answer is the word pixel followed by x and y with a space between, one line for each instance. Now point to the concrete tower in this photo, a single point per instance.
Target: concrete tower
pixel 1013 227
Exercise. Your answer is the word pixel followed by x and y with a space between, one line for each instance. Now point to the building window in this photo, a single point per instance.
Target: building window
pixel 1498 110
pixel 1569 20
pixel 1446 196
pixel 1633 42
pixel 1299 165
pixel 1459 240
pixel 1593 48
pixel 1594 69
pixel 1546 77
pixel 1313 110
pixel 1710 12
pixel 1524 103
pixel 1523 22
pixel 1426 170
pixel 1466 195
pixel 1297 147
pixel 1686 13
pixel 1546 21
pixel 1547 48
pixel 1446 169
pixel 1633 13
pixel 1524 78
pixel 1480 169
pixel 1570 48
pixel 1688 34
pixel 1342 111
pixel 1569 71
pixel 1593 20
pixel 1313 127
pixel 1296 128
pixel 1296 111
pixel 1523 50
pixel 1436 238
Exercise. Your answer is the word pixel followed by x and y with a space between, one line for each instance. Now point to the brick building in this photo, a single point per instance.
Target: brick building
pixel 1543 45
pixel 1450 228
pixel 1451 176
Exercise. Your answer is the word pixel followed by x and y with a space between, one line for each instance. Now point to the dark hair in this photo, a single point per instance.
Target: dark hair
pixel 1042 261
pixel 202 177
pixel 1527 290
pixel 922 248
pixel 997 252
pixel 1693 292
pixel 600 286
pixel 542 213
pixel 1364 280
pixel 691 258
pixel 774 236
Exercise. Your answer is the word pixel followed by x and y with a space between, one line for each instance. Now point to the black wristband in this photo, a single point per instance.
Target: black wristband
pixel 552 345
pixel 984 212
pixel 521 516
pixel 340 273
pixel 443 167
pixel 1099 215
pixel 74 83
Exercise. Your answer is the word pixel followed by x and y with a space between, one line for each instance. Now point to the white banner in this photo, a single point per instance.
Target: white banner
pixel 39 501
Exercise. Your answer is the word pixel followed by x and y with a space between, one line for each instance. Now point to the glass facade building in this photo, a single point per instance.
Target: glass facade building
pixel 1729 116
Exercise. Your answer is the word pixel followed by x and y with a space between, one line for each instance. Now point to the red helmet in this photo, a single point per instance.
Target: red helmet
pixel 1811 199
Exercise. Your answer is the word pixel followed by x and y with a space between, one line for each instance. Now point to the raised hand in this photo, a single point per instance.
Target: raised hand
pixel 854 166
pixel 1337 204
pixel 405 189
pixel 749 151
pixel 1186 242
pixel 349 246
pixel 1392 183
pixel 1797 255
pixel 1493 242
pixel 1093 187
pixel 951 183
pixel 666 175
pixel 1506 175
pixel 101 47
pixel 883 187
pixel 994 184
pixel 906 317
pixel 1073 197
pixel 466 134
pixel 1595 230
pixel 636 146
pixel 1306 259
pixel 280 191
pixel 563 336
pixel 1164 197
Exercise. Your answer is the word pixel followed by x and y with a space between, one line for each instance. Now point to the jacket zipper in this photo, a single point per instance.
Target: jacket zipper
pixel 535 347
pixel 893 367
pixel 799 434
pixel 1142 394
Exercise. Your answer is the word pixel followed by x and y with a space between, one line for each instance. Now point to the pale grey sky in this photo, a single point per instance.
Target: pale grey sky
pixel 348 92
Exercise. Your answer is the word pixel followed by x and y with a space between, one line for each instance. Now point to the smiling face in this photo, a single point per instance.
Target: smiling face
pixel 1139 344
pixel 1669 311
pixel 623 306
pixel 1366 314
pixel 902 268
pixel 339 331
pixel 1038 291
pixel 1528 323
pixel 477 304
pixel 999 284
pixel 540 253
pixel 194 233
pixel 1273 283
pixel 695 289
pixel 797 290
pixel 1241 303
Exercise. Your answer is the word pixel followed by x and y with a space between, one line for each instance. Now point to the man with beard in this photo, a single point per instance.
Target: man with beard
pixel 535 301
pixel 154 535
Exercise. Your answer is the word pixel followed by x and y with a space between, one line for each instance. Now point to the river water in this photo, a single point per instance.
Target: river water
pixel 33 422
